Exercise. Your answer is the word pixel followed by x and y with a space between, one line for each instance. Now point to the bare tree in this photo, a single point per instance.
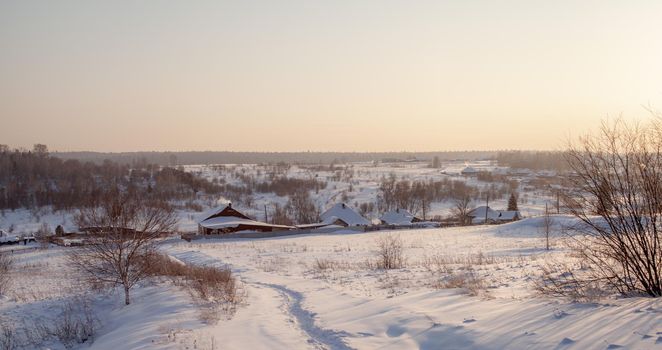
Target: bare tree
pixel 461 209
pixel 302 208
pixel 280 216
pixel 43 236
pixel 618 198
pixel 124 228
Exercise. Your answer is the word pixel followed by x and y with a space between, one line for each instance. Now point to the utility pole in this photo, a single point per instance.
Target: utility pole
pixel 558 206
pixel 266 217
pixel 487 206
pixel 547 224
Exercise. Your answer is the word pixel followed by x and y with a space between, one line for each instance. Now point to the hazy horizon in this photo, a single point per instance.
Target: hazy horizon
pixel 342 76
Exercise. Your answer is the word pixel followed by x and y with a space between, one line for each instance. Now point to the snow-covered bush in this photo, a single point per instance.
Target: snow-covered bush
pixel 76 323
pixel 468 280
pixel 390 252
pixel 207 283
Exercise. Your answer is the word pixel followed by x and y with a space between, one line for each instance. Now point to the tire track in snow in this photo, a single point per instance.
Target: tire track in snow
pixel 325 338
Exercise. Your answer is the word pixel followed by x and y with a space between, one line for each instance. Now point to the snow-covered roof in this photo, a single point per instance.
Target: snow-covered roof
pixel 224 216
pixel 480 213
pixel 469 170
pixel 222 222
pixel 398 217
pixel 5 239
pixel 211 212
pixel 345 213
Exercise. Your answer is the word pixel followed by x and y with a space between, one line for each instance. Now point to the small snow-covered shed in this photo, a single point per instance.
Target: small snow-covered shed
pixel 399 217
pixel 478 215
pixel 341 214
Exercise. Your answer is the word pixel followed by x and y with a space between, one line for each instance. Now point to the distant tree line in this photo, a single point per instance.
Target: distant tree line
pixel 208 157
pixel 33 178
pixel 534 160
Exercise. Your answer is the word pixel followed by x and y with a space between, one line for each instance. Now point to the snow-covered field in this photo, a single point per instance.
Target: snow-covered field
pixel 459 288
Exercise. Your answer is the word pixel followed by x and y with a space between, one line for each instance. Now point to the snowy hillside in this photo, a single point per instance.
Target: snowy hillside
pixel 458 288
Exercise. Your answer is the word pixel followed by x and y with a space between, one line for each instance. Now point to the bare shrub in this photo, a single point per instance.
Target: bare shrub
pixel 6 263
pixel 390 252
pixel 467 280
pixel 562 280
pixel 76 323
pixel 618 177
pixel 439 263
pixel 207 283
pixel 323 264
pixel 390 282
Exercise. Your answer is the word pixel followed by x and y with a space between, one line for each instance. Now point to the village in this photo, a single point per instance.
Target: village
pixel 226 220
pixel 330 175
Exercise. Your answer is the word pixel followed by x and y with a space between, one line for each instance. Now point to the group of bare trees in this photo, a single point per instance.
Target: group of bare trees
pixel 417 196
pixel 300 209
pixel 617 197
pixel 32 179
pixel 403 194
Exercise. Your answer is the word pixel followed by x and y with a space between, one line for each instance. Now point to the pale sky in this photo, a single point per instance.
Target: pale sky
pixel 352 75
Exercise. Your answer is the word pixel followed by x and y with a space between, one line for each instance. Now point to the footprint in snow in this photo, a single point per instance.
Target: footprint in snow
pixel 614 346
pixel 395 331
pixel 560 313
pixel 565 342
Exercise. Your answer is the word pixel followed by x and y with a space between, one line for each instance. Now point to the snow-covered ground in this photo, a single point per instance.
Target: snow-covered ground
pixel 321 291
pixel 459 288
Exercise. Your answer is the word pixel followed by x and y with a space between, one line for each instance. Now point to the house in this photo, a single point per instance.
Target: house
pixel 399 217
pixel 469 171
pixel 226 219
pixel 343 215
pixel 480 214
